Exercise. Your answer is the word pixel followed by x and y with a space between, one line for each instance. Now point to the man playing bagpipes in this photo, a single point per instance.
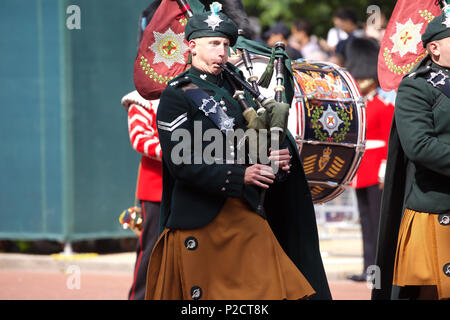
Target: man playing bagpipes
pixel 159 18
pixel 216 241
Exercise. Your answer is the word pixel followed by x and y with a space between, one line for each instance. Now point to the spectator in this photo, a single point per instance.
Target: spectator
pixel 255 25
pixel 375 28
pixel 303 40
pixel 346 20
pixel 334 35
pixel 280 33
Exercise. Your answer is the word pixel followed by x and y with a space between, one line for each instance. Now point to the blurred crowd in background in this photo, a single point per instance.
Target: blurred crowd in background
pixel 303 43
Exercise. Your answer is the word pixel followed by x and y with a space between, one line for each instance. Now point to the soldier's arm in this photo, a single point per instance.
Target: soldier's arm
pixel 143 135
pixel 415 125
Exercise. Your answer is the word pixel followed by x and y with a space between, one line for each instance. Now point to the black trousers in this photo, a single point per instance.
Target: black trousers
pixel 369 203
pixel 147 239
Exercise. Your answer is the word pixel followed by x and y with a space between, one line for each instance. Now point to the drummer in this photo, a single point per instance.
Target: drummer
pixel 213 244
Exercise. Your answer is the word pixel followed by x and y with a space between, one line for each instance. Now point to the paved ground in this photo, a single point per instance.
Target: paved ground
pixel 25 285
pixel 41 285
pixel 105 277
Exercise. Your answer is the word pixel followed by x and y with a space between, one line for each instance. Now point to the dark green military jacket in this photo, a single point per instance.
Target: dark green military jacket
pixel 418 163
pixel 195 192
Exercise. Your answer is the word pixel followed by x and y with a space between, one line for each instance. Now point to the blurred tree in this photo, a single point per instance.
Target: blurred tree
pixel 319 12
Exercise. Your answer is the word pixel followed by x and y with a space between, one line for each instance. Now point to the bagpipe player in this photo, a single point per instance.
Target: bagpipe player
pixel 214 243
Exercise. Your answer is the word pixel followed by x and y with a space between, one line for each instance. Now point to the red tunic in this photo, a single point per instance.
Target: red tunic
pixel 144 139
pixel 379 114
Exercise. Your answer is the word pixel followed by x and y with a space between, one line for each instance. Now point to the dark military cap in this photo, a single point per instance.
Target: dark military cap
pixel 211 24
pixel 438 28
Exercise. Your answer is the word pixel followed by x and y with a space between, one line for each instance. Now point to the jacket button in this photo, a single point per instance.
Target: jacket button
pixel 446 269
pixel 224 189
pixel 444 219
pixel 227 181
pixel 229 172
pixel 191 243
pixel 196 292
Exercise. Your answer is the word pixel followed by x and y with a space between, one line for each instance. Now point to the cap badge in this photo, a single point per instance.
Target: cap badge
pixel 214 20
pixel 446 11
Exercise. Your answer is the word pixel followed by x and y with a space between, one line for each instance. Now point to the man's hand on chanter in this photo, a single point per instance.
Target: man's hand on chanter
pixel 260 175
pixel 281 158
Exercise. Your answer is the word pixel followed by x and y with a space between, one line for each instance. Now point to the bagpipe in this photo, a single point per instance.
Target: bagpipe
pixel 320 102
pixel 271 116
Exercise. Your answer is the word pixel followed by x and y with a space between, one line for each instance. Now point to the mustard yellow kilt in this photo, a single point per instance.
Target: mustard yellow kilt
pixel 423 252
pixel 234 257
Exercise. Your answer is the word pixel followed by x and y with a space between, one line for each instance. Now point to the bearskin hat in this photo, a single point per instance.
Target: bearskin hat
pixel 362 57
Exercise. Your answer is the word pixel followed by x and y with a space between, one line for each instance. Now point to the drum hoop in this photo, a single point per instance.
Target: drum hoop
pixel 338 191
pixel 253 56
pixel 300 106
pixel 339 144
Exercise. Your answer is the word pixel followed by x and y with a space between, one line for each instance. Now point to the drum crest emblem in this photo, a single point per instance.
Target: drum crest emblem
pixel 325 158
pixel 330 125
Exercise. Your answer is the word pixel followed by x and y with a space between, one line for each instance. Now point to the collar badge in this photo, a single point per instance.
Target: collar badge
pixel 437 78
pixel 208 106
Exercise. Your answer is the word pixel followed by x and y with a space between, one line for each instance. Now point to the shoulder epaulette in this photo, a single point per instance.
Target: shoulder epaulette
pixel 135 98
pixel 180 82
pixel 422 69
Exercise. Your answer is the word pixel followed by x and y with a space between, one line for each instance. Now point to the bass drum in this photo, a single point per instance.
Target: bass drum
pixel 327 120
